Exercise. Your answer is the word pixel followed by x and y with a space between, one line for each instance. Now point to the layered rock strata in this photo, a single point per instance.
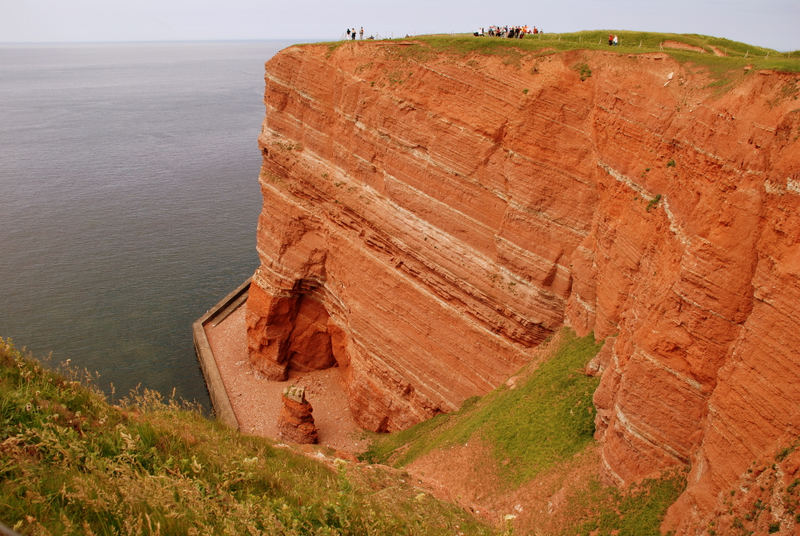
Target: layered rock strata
pixel 429 218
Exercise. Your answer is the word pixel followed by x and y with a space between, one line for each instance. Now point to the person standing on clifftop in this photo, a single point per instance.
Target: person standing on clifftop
pixel 348 32
pixel 353 34
pixel 361 34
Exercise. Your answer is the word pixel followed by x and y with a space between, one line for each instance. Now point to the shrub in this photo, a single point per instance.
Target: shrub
pixel 583 71
pixel 653 202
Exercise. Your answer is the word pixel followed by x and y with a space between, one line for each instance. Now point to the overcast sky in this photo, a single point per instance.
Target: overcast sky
pixel 770 23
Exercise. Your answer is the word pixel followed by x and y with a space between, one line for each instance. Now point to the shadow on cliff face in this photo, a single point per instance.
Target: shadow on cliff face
pixel 310 341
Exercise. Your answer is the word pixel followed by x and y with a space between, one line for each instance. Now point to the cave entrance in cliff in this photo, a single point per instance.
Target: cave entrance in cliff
pixel 316 359
pixel 310 346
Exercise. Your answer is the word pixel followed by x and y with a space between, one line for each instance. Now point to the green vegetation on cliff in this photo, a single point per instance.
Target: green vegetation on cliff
pixel 546 419
pixel 72 464
pixel 540 425
pixel 722 58
pixel 715 53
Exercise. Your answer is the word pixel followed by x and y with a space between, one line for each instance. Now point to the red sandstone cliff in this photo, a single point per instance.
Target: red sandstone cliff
pixel 429 219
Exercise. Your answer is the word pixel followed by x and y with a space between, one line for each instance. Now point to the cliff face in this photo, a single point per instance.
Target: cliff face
pixel 429 219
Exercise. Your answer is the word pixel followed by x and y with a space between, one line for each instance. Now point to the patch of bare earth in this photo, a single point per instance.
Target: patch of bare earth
pixel 682 46
pixel 256 401
pixel 716 51
pixel 468 476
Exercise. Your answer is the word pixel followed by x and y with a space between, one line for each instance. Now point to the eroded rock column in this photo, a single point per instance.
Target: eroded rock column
pixel 295 422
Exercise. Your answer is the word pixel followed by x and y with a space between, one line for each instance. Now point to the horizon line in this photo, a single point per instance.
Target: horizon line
pixel 157 41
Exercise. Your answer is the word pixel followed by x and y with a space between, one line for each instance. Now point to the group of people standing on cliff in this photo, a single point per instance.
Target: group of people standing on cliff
pixel 613 40
pixel 351 34
pixel 511 32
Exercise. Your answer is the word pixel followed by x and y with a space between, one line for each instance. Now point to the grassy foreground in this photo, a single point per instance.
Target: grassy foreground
pixel 72 464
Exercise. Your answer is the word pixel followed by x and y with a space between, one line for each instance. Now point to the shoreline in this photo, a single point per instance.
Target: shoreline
pixel 220 402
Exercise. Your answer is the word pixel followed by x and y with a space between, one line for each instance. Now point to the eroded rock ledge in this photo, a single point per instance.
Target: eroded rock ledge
pixel 429 219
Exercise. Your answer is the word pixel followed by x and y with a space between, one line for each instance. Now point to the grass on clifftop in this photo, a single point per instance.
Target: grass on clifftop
pixel 737 55
pixel 72 464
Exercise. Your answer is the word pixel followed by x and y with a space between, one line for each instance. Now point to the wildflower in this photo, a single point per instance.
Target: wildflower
pixel 130 442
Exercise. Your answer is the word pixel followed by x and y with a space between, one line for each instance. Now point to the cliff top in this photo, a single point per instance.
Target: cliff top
pixel 718 54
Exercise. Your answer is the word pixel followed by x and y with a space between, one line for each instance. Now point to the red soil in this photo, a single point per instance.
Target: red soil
pixel 682 46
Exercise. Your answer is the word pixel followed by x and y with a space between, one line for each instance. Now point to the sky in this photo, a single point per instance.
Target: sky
pixel 768 23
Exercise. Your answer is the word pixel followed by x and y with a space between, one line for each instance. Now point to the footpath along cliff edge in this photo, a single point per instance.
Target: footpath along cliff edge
pixel 429 218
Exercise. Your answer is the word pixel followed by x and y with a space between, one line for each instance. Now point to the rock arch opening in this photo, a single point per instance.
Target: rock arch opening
pixel 291 331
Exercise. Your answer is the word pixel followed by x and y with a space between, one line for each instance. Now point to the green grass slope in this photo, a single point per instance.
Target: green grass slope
pixel 543 425
pixel 547 419
pixel 72 464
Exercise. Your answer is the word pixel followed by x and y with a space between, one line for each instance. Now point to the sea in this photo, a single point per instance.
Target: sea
pixel 128 201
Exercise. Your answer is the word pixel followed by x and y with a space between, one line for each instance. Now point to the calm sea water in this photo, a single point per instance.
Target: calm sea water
pixel 128 200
